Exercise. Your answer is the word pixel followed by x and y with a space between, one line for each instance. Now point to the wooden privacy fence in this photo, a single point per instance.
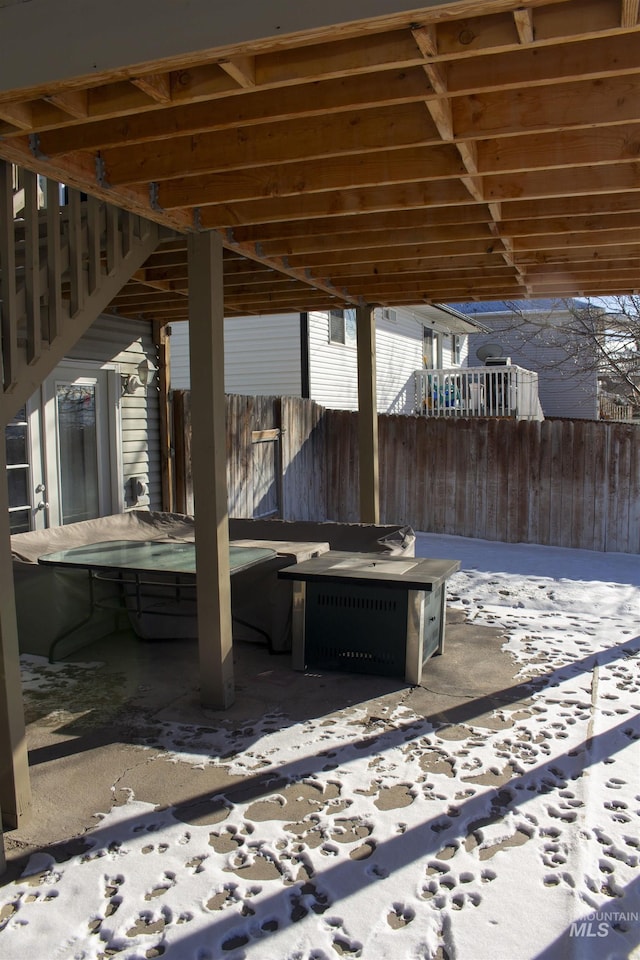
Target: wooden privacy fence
pixel 569 483
pixel 275 456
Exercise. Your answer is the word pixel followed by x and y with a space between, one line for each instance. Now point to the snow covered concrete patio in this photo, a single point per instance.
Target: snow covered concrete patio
pixel 493 812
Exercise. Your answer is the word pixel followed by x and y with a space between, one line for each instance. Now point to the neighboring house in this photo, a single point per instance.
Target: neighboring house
pixel 536 335
pixel 314 354
pixel 86 444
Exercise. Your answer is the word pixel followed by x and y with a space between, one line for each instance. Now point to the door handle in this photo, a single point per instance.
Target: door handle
pixel 42 505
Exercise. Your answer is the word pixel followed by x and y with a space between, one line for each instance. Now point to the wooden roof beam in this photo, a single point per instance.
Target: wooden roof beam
pixel 620 222
pixel 576 255
pixel 391 252
pixel 330 227
pixel 441 113
pixel 538 185
pixel 572 56
pixel 623 278
pixel 308 206
pixel 341 273
pixel 545 151
pixel 411 165
pixel 380 238
pixel 482 273
pixel 232 112
pixel 571 206
pixel 461 294
pixel 557 241
pixel 582 103
pixel 619 265
pixel 306 138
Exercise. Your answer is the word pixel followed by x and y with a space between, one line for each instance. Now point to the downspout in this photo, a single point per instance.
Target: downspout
pixel 305 373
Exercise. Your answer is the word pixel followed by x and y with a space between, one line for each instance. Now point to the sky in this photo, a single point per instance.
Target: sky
pixel 426 841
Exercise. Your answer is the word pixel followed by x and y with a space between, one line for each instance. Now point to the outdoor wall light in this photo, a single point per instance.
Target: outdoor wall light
pixel 138 382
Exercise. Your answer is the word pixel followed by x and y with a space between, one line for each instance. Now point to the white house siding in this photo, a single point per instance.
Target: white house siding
pixel 334 368
pixel 179 356
pixel 261 355
pixel 567 379
pixel 116 340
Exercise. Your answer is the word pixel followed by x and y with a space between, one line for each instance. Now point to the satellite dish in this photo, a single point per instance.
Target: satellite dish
pixel 489 351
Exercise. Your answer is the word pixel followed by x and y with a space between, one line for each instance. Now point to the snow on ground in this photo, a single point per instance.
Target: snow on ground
pixel 391 838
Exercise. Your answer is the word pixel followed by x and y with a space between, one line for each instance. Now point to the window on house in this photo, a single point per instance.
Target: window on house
pixel 427 348
pixel 456 351
pixel 342 327
pixel 431 349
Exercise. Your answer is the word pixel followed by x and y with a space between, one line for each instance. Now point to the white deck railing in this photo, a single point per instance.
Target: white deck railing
pixel 496 391
pixel 611 409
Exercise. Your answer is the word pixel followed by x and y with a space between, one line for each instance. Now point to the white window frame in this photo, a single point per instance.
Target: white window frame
pixel 348 336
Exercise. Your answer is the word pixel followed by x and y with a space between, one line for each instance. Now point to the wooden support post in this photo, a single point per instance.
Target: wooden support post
pixel 367 415
pixel 15 790
pixel 206 338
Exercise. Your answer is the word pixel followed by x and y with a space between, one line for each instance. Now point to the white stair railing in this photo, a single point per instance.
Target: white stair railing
pixel 63 258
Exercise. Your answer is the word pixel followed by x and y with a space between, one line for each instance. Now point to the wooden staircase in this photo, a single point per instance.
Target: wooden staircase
pixel 61 264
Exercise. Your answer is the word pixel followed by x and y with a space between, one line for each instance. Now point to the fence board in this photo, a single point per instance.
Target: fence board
pixel 438 478
pixel 598 465
pixel 480 506
pixel 613 486
pixel 542 528
pixel 406 467
pixel 420 473
pixel 449 518
pixel 586 484
pixel 466 464
pixel 509 481
pixel 578 507
pixel 491 519
pixel 621 503
pixel 304 485
pixel 633 542
pixel 531 436
pixel 342 458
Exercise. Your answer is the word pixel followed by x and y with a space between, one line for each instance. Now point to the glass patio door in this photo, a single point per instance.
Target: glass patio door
pixel 77 441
